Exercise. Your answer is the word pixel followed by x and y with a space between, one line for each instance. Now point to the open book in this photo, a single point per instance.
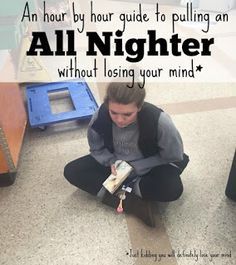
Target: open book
pixel 113 182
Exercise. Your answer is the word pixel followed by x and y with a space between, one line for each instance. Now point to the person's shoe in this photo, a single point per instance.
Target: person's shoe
pixel 140 208
pixel 132 205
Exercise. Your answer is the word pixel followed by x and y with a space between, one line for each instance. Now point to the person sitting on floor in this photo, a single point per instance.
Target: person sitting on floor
pixel 127 128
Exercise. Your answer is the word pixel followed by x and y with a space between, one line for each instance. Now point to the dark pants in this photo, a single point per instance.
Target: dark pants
pixel 162 183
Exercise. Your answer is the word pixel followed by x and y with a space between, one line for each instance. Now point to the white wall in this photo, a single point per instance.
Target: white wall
pixel 217 5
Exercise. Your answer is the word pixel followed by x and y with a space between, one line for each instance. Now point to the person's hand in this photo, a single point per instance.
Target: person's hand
pixel 113 169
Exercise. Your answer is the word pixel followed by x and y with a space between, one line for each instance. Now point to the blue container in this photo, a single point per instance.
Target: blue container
pixel 39 108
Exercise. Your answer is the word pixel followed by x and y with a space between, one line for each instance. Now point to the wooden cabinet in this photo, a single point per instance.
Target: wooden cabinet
pixel 12 127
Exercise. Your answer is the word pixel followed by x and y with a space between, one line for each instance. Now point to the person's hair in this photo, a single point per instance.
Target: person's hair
pixel 120 93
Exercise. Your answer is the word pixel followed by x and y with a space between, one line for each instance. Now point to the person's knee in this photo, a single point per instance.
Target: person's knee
pixel 72 169
pixel 86 174
pixel 162 194
pixel 172 192
pixel 176 193
pixel 68 173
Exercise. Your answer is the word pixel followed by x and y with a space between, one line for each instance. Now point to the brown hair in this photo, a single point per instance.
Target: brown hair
pixel 122 94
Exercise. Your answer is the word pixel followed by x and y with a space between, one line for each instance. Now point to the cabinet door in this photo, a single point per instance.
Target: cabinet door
pixel 12 126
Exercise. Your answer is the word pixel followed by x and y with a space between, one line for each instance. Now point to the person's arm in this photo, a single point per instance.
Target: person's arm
pixel 170 145
pixel 97 148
